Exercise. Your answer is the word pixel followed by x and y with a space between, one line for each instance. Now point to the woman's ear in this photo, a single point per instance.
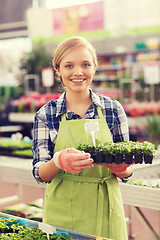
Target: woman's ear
pixel 58 73
pixel 94 70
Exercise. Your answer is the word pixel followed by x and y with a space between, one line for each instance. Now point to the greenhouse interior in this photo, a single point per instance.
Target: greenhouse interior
pixel 125 86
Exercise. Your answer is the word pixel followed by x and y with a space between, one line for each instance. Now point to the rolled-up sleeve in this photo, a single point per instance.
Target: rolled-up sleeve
pixel 42 146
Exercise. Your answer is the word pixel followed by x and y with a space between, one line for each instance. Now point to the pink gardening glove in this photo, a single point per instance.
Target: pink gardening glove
pixel 72 160
pixel 117 169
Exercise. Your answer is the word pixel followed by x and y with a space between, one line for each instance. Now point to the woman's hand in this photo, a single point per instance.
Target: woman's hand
pixel 115 168
pixel 122 170
pixel 72 160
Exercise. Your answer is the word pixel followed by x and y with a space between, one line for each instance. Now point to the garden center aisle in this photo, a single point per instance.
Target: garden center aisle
pixel 33 193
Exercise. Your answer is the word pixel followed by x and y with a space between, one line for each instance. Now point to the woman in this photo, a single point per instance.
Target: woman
pixel 80 195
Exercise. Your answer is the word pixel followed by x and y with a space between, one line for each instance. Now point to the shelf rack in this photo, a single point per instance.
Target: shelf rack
pixel 132 195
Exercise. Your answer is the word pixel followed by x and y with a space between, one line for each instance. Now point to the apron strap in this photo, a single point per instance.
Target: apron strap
pixel 100 114
pixel 63 117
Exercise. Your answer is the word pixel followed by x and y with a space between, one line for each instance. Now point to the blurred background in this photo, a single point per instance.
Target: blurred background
pixel 126 36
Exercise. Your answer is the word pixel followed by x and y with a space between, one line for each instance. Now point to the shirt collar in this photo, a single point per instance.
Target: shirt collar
pixel 61 103
pixel 96 99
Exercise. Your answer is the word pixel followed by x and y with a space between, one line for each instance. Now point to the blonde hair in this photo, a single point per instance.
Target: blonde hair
pixel 67 45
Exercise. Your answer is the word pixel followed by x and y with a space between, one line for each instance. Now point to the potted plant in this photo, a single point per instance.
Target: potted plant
pixel 108 152
pixel 101 153
pixel 95 152
pixel 137 151
pixel 117 152
pixel 98 154
pixel 128 152
pixel 148 151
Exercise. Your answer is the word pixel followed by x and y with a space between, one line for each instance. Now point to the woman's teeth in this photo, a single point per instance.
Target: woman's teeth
pixel 80 80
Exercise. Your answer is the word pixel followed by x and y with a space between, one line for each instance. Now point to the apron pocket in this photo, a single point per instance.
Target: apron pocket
pixel 57 210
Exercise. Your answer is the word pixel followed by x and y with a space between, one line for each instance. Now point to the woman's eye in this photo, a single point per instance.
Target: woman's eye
pixel 68 66
pixel 86 65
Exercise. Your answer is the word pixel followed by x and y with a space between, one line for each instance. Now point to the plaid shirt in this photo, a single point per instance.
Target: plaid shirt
pixel 47 120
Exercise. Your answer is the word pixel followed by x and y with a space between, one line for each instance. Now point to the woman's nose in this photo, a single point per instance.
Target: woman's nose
pixel 78 71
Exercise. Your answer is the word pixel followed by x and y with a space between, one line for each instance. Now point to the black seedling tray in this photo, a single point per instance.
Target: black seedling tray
pixel 120 158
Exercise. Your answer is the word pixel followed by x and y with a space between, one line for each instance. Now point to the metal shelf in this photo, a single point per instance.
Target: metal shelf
pixel 29 117
pixel 19 171
pixel 21 117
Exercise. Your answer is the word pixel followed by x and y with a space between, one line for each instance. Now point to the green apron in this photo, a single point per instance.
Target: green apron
pixel 88 202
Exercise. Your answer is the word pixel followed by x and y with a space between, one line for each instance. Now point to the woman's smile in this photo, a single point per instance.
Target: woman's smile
pixel 78 80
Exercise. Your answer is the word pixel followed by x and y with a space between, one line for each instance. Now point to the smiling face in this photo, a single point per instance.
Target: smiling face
pixel 77 69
